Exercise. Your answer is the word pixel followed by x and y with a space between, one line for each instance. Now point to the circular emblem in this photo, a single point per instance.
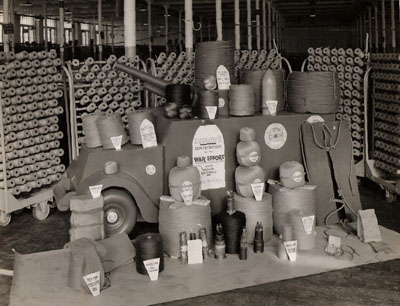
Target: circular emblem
pixel 150 169
pixel 297 176
pixel 275 136
pixel 253 156
pixel 221 102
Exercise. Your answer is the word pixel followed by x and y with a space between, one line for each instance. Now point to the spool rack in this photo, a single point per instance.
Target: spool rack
pixel 29 132
pixel 384 166
pixel 350 65
pixel 95 86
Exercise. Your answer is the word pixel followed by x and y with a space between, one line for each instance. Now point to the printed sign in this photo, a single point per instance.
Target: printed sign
pixel 116 141
pixel 211 111
pixel 223 77
pixel 291 249
pixel 208 151
pixel 95 191
pixel 367 226
pixel 148 134
pixel 275 136
pixel 152 267
pixel 195 251
pixel 258 190
pixel 308 224
pixel 93 282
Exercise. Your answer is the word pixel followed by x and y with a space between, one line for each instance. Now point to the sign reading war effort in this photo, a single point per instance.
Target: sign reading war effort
pixel 209 156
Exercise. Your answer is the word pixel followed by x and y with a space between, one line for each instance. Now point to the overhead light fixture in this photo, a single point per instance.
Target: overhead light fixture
pixel 143 10
pixel 145 24
pixel 313 15
pixel 26 4
pixel 167 15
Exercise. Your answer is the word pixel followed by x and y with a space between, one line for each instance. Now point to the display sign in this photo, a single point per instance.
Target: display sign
pixel 258 190
pixel 8 28
pixel 208 151
pixel 95 191
pixel 291 249
pixel 117 141
pixel 195 251
pixel 223 77
pixel 367 226
pixel 211 111
pixel 152 267
pixel 308 224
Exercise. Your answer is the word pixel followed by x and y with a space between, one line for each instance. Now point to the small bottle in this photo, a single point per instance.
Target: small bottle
pixel 192 236
pixel 243 245
pixel 259 238
pixel 183 247
pixel 219 248
pixel 203 237
pixel 230 203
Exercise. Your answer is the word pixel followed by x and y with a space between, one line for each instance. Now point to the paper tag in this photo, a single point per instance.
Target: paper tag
pixel 223 77
pixel 93 282
pixel 367 226
pixel 152 267
pixel 334 244
pixel 195 248
pixel 116 141
pixel 308 224
pixel 258 190
pixel 271 105
pixel 211 111
pixel 315 118
pixel 95 191
pixel 148 134
pixel 187 196
pixel 291 249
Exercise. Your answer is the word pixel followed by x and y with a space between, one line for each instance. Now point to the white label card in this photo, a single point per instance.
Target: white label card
pixel 93 282
pixel 187 196
pixel 291 249
pixel 258 190
pixel 334 244
pixel 308 224
pixel 211 111
pixel 148 134
pixel 152 267
pixel 223 77
pixel 271 105
pixel 95 191
pixel 117 141
pixel 195 251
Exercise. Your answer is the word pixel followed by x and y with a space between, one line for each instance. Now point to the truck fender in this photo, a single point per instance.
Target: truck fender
pixel 148 209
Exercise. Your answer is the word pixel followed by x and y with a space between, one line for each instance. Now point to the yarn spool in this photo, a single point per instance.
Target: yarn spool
pixel 280 88
pixel 233 226
pixel 285 200
pixel 111 126
pixel 211 54
pixel 179 94
pixel 206 98
pixel 245 176
pixel 248 150
pixel 89 125
pixel 175 217
pixel 148 246
pixel 256 211
pixel 305 241
pixel 135 119
pixel 241 100
pixel 183 177
pixel 223 102
pixel 291 174
pixel 253 77
pixel 313 92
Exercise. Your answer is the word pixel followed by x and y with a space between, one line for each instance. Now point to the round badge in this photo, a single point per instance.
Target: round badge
pixel 297 176
pixel 221 102
pixel 253 156
pixel 275 136
pixel 150 169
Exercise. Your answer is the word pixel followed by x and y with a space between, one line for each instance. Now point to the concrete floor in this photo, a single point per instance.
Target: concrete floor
pixel 373 284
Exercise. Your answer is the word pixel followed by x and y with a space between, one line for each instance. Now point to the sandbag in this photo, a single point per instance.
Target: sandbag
pixel 328 159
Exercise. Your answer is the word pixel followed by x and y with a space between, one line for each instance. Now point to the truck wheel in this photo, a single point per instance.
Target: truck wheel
pixel 120 212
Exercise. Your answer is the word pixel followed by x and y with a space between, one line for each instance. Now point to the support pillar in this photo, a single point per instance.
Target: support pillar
pixel 129 28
